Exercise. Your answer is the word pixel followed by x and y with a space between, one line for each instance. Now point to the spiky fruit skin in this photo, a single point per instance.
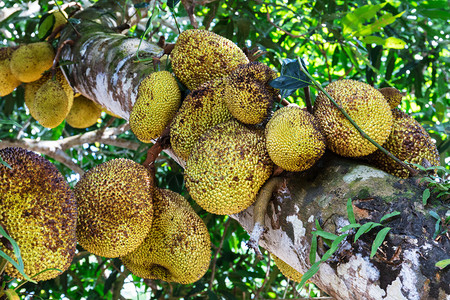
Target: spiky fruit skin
pixel 177 248
pixel 365 105
pixel 157 102
pixel 8 82
pixel 51 105
pixel 248 95
pixel 408 141
pixel 29 61
pixel 115 208
pixel 31 89
pixel 201 55
pixel 202 109
pixel 293 139
pixel 84 113
pixel 38 210
pixel 287 270
pixel 392 95
pixel 227 167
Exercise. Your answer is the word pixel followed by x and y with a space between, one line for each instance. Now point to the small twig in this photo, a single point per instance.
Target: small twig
pixel 319 86
pixel 58 54
pixel 266 277
pixel 160 144
pixel 214 260
pixel 309 106
pixel 278 27
pixel 190 9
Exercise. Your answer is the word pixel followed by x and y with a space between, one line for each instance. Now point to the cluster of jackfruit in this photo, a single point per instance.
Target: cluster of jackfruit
pixel 38 210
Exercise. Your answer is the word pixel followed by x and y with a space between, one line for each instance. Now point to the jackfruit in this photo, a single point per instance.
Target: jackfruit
pixel 227 167
pixel 8 82
pixel 248 95
pixel 60 19
pixel 157 102
pixel 365 105
pixel 115 207
pixel 293 139
pixel 84 113
pixel 392 95
pixel 31 89
pixel 38 210
pixel 408 141
pixel 177 248
pixel 200 56
pixel 202 109
pixel 29 61
pixel 51 104
pixel 287 270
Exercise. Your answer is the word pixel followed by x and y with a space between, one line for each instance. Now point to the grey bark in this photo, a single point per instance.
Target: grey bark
pixel 403 268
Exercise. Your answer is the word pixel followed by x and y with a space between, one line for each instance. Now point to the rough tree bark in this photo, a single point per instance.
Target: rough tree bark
pixel 403 267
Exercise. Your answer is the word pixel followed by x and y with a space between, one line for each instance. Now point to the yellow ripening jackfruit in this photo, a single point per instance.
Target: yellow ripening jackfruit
pixel 31 89
pixel 157 102
pixel 29 61
pixel 115 208
pixel 248 95
pixel 60 19
pixel 227 167
pixel 392 95
pixel 38 210
pixel 287 270
pixel 200 56
pixel 202 109
pixel 365 105
pixel 293 139
pixel 8 82
pixel 408 141
pixel 177 248
pixel 51 104
pixel 84 113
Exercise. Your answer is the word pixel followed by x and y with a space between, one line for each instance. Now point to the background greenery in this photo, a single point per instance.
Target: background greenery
pixel 394 43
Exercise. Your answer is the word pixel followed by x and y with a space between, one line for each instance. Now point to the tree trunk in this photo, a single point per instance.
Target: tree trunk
pixel 404 265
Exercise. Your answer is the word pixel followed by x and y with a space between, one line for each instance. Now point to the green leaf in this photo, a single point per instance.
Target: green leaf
pixel 388 216
pixel 4 163
pixel 10 122
pixel 378 25
pixel 436 13
pixel 46 26
pixel 365 228
pixel 443 263
pixel 379 240
pixel 324 234
pixel 349 226
pixel 310 273
pixel 334 246
pixel 141 5
pixel 313 250
pixel 435 215
pixel 291 79
pixel 390 42
pixel 172 3
pixel 425 196
pixel 350 213
pixel 354 20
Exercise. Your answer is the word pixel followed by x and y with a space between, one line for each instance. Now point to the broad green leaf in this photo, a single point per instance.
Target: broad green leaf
pixel 46 26
pixel 425 196
pixel 354 20
pixel 436 13
pixel 379 240
pixel 443 263
pixel 349 226
pixel 172 3
pixel 378 25
pixel 394 43
pixel 291 79
pixel 434 215
pixel 313 250
pixel 388 216
pixel 365 228
pixel 350 213
pixel 324 234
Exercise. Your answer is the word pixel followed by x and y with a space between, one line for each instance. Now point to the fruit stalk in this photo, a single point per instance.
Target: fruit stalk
pixel 319 86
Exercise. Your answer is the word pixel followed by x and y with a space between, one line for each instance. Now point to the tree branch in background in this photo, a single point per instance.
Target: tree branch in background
pixel 189 6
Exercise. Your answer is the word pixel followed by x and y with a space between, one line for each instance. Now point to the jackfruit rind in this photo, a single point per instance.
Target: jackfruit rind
pixel 177 248
pixel 227 167
pixel 293 139
pixel 408 141
pixel 114 207
pixel 84 113
pixel 392 95
pixel 248 95
pixel 29 61
pixel 8 82
pixel 38 210
pixel 202 109
pixel 51 104
pixel 157 102
pixel 201 55
pixel 287 270
pixel 365 105
pixel 31 89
